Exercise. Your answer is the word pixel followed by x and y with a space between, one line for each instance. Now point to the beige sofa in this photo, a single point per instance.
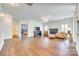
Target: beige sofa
pixel 61 35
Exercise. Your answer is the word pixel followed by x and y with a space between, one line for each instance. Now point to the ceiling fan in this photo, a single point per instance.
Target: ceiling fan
pixel 29 4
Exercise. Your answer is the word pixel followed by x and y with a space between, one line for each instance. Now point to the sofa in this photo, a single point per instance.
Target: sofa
pixel 61 35
pixel 52 36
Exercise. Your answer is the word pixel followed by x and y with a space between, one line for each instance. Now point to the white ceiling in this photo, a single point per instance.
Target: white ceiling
pixel 39 10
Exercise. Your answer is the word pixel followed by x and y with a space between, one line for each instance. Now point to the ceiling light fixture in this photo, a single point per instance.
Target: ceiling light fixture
pixel 29 4
pixel 45 18
pixel 14 4
pixel 2 14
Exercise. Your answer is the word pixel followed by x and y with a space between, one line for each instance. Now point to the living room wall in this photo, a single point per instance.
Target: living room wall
pixel 5 30
pixel 31 26
pixel 58 23
pixel 1 34
pixel 5 27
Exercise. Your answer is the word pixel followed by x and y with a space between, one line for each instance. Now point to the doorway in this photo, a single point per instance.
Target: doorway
pixel 24 30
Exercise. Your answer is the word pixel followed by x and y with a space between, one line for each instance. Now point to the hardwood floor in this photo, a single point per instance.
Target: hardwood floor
pixel 38 47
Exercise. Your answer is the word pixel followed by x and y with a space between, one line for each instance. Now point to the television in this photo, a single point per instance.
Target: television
pixel 53 31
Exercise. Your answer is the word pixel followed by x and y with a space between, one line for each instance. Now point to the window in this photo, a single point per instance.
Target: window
pixel 46 28
pixel 62 28
pixel 65 28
